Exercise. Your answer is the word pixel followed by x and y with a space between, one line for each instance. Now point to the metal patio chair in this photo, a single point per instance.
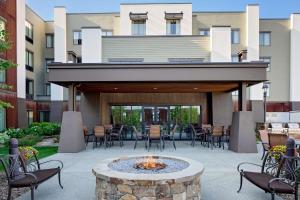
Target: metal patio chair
pixel 197 134
pixel 154 135
pixel 99 133
pixel 170 136
pixel 117 135
pixel 217 133
pixel 139 136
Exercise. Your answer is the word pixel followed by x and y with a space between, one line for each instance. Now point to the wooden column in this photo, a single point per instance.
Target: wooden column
pixel 242 96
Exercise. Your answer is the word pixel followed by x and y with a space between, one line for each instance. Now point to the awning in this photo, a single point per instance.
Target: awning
pixel 138 16
pixel 174 16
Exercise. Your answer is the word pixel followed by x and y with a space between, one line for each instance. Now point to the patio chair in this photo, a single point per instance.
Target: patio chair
pixel 99 133
pixel 170 136
pixel 197 134
pixel 263 134
pixel 117 135
pixel 154 135
pixel 217 132
pixel 206 128
pixel 275 175
pixel 87 135
pixel 277 139
pixel 139 136
pixel 20 175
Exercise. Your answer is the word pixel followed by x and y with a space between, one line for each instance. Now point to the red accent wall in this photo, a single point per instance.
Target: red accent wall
pixel 8 12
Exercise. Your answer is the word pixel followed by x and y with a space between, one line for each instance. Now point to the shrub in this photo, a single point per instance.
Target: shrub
pixel 15 132
pixel 4 138
pixel 29 140
pixel 27 152
pixel 44 128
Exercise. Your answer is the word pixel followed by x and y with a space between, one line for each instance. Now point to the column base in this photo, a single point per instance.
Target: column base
pixel 242 136
pixel 71 134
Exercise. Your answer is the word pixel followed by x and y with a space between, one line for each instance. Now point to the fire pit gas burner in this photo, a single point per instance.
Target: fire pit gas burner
pixel 150 163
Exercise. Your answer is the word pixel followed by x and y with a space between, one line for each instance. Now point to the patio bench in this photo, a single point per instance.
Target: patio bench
pixel 276 176
pixel 22 174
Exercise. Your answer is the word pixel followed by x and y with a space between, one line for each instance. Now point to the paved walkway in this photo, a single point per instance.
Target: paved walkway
pixel 220 180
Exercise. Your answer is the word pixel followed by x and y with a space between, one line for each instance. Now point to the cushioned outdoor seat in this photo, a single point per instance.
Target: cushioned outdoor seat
pixel 41 175
pixel 261 180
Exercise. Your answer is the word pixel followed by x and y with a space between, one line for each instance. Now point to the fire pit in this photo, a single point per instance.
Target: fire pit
pixel 148 177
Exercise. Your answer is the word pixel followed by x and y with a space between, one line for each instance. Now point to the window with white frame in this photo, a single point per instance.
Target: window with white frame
pixel 235 36
pixel 49 40
pixel 138 27
pixel 29 117
pixel 235 58
pixel 173 27
pixel 107 32
pixel 204 32
pixel 44 116
pixel 266 60
pixel 29 89
pixel 77 39
pixel 29 60
pixel 29 32
pixel 265 38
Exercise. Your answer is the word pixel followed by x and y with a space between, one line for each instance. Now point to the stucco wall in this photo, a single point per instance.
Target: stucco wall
pixel 156 23
pixel 279 51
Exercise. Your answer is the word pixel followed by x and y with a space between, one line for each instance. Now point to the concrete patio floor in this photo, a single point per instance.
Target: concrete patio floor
pixel 219 181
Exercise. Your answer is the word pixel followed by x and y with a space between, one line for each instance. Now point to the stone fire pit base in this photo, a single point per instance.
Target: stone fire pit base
pixel 181 185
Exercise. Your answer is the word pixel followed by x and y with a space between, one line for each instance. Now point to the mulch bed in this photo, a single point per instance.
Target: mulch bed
pixel 16 192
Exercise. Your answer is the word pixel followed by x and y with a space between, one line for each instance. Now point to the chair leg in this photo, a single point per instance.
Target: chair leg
pixel 32 193
pixel 59 180
pixel 174 143
pixel 264 152
pixel 9 193
pixel 94 142
pixel 135 144
pixel 272 196
pixel 241 183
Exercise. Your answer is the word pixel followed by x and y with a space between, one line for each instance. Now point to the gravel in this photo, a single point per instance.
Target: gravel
pixel 127 165
pixel 16 192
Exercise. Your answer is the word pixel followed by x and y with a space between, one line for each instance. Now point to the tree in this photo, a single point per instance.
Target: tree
pixel 5 45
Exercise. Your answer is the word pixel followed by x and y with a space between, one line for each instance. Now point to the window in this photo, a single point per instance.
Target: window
pixel 138 27
pixel 47 89
pixel 185 60
pixel 44 116
pixel 29 117
pixel 235 93
pixel 29 32
pixel 107 32
pixel 48 61
pixel 2 119
pixel 49 40
pixel 235 36
pixel 235 58
pixel 77 37
pixel 2 28
pixel 173 27
pixel 204 32
pixel 29 60
pixel 29 89
pixel 79 60
pixel 265 38
pixel 267 60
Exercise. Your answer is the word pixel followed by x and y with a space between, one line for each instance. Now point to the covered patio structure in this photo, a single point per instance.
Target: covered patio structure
pixel 209 85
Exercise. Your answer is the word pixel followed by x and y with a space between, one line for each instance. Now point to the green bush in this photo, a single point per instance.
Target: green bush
pixel 29 140
pixel 44 128
pixel 4 138
pixel 15 132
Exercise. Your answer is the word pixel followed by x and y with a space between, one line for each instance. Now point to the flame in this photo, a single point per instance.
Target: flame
pixel 149 162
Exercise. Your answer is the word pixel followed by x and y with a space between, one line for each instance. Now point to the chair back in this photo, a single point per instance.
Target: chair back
pixel 108 127
pixel 206 127
pixel 154 132
pixel 228 130
pixel 99 131
pixel 85 130
pixel 217 130
pixel 277 139
pixel 174 130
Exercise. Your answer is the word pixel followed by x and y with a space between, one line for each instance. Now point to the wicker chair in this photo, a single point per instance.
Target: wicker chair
pixel 170 136
pixel 217 132
pixel 22 174
pixel 264 137
pixel 99 133
pixel 139 136
pixel 200 134
pixel 117 135
pixel 154 135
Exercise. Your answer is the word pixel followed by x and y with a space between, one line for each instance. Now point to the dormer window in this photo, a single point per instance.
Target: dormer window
pixel 138 23
pixel 173 23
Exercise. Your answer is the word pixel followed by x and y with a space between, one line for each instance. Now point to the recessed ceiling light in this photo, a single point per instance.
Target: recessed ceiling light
pixel 195 88
pixel 155 88
pixel 115 88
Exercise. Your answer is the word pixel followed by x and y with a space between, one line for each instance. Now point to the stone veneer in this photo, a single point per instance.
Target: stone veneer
pixel 181 185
